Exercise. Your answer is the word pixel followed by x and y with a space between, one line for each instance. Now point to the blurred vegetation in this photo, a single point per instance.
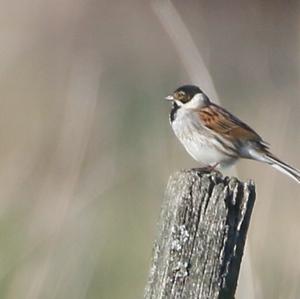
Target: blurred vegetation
pixel 86 148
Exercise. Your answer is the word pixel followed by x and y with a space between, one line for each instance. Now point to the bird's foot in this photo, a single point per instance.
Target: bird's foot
pixel 208 169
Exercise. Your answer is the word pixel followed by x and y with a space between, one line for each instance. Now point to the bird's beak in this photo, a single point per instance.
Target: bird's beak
pixel 169 98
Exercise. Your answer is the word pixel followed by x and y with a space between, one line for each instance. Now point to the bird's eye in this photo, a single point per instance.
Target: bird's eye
pixel 180 95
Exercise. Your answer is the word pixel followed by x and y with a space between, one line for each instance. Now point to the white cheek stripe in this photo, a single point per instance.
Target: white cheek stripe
pixel 196 102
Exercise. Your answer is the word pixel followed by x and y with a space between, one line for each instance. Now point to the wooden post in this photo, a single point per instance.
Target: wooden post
pixel 202 233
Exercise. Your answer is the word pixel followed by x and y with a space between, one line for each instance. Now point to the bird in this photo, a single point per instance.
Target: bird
pixel 216 138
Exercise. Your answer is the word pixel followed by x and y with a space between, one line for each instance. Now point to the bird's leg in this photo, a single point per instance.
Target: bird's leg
pixel 208 169
pixel 213 167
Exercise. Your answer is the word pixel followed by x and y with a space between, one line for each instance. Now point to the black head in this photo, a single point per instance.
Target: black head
pixel 184 93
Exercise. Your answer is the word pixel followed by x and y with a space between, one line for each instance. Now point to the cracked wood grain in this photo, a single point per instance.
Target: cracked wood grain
pixel 202 233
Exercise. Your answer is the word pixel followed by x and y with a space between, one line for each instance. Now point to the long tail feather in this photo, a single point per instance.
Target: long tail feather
pixel 283 167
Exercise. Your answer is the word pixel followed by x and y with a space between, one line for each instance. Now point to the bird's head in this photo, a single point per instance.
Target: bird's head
pixel 188 96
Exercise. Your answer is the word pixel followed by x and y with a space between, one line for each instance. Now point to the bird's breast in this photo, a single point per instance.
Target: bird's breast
pixel 197 140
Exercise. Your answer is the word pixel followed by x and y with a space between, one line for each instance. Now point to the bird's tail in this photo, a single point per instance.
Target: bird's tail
pixel 282 167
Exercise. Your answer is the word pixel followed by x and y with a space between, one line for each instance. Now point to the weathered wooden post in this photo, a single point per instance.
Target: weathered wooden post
pixel 202 233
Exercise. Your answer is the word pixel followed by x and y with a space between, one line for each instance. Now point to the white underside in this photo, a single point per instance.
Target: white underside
pixel 201 145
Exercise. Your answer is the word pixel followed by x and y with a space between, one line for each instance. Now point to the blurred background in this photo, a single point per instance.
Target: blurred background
pixel 86 148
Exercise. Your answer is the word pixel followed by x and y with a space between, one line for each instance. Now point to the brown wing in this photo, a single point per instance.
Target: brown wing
pixel 224 123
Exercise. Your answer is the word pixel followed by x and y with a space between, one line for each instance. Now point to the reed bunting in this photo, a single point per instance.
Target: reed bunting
pixel 215 137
